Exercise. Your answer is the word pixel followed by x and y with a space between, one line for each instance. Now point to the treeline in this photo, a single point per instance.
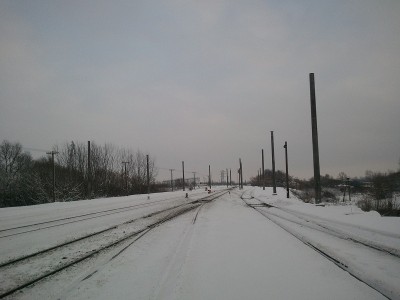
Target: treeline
pixel 379 190
pixel 280 180
pixel 377 184
pixel 27 181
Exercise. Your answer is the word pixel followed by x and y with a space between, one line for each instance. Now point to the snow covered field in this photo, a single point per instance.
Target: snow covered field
pixel 230 248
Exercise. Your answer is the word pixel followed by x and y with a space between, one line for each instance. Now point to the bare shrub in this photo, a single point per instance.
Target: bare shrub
pixel 365 203
pixel 306 196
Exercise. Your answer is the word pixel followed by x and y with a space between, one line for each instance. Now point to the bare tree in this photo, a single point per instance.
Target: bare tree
pixel 15 168
pixel 24 181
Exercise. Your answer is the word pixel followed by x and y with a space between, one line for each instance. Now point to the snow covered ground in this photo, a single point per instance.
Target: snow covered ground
pixel 223 249
pixel 114 211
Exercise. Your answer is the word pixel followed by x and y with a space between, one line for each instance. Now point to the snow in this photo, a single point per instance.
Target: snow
pixel 19 245
pixel 230 252
pixel 347 214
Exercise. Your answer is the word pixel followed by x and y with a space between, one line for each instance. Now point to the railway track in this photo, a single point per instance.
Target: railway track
pixel 337 229
pixel 24 271
pixel 323 238
pixel 12 231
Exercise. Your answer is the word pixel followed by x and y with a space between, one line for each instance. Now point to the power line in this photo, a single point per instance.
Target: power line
pixel 180 170
pixel 35 149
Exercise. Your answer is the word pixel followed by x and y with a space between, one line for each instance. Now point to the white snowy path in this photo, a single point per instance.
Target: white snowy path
pixel 230 252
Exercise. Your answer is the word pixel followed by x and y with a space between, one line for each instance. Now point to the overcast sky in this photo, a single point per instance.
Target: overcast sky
pixel 206 81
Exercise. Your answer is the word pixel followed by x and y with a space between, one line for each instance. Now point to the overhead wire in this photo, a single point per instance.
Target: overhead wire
pixel 35 149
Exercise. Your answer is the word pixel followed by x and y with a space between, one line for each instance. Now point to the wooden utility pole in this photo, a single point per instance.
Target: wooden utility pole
pixel 263 169
pixel 194 180
pixel 183 174
pixel 287 171
pixel 126 176
pixel 317 176
pixel 54 173
pixel 148 175
pixel 227 178
pixel 273 163
pixel 172 184
pixel 230 176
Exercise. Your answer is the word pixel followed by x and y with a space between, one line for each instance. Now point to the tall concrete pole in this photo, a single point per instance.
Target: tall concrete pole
pixel 240 174
pixel 209 176
pixel 317 176
pixel 89 165
pixel 183 174
pixel 240 181
pixel 287 171
pixel 263 169
pixel 172 182
pixel 148 175
pixel 54 176
pixel 273 163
